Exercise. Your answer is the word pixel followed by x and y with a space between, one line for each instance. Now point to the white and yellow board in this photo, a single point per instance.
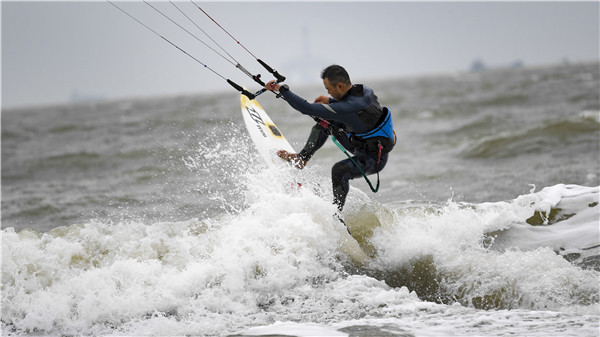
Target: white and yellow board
pixel 264 133
pixel 268 140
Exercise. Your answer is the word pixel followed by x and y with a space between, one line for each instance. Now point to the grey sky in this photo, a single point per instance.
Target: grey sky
pixel 52 49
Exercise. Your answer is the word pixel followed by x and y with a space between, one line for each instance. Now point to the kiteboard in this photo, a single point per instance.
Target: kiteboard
pixel 268 139
pixel 265 135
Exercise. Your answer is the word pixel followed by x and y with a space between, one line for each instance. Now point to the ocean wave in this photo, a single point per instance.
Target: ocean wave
pixel 175 227
pixel 538 138
pixel 284 252
pixel 486 255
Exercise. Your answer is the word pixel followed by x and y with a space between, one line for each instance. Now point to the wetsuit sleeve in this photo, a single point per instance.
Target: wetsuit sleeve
pixel 335 110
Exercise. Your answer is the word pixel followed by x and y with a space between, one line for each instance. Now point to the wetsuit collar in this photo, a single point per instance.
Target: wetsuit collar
pixel 356 90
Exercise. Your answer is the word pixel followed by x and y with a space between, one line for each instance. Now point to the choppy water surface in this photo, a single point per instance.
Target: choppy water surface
pixel 156 216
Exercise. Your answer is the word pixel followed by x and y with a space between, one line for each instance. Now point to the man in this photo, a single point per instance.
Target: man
pixel 353 115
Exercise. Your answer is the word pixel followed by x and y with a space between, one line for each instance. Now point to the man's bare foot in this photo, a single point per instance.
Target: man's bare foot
pixel 293 158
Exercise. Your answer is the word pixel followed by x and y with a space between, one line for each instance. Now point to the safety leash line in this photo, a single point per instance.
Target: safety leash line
pixel 167 40
pixel 205 33
pixel 356 164
pixel 280 78
pixel 236 86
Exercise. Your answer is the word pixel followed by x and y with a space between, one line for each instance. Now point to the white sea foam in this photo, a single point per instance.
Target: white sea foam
pixel 265 256
pixel 284 258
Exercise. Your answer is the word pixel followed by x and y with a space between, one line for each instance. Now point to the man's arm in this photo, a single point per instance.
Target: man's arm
pixel 335 110
pixel 321 110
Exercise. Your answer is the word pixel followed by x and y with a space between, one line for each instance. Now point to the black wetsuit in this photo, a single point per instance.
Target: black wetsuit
pixel 356 113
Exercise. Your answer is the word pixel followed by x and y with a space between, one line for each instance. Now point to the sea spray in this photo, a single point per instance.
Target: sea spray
pixel 482 255
pixel 162 220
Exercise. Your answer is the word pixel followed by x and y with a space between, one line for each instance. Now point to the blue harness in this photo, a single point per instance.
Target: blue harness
pixel 371 142
pixel 385 129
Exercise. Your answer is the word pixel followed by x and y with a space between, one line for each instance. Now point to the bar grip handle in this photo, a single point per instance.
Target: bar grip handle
pixel 278 76
pixel 244 92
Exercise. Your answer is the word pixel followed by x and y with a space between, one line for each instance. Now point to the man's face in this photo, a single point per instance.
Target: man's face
pixel 336 91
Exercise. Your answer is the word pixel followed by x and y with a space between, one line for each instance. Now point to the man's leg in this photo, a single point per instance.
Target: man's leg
pixel 343 171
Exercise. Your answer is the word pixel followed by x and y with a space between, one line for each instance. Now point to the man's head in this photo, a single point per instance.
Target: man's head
pixel 336 81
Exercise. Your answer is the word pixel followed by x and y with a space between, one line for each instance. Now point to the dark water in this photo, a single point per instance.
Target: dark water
pixel 474 137
pixel 156 216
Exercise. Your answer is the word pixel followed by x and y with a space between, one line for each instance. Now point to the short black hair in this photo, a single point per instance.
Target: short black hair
pixel 336 74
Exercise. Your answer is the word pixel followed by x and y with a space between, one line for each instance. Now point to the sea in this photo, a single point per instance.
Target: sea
pixel 157 217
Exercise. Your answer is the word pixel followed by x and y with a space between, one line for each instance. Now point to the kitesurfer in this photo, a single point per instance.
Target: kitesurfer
pixel 354 116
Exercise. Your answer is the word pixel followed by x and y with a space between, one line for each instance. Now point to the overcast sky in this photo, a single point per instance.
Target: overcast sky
pixel 55 51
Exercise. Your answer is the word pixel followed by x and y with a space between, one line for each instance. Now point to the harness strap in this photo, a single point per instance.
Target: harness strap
pixel 382 124
pixel 358 166
pixel 324 123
